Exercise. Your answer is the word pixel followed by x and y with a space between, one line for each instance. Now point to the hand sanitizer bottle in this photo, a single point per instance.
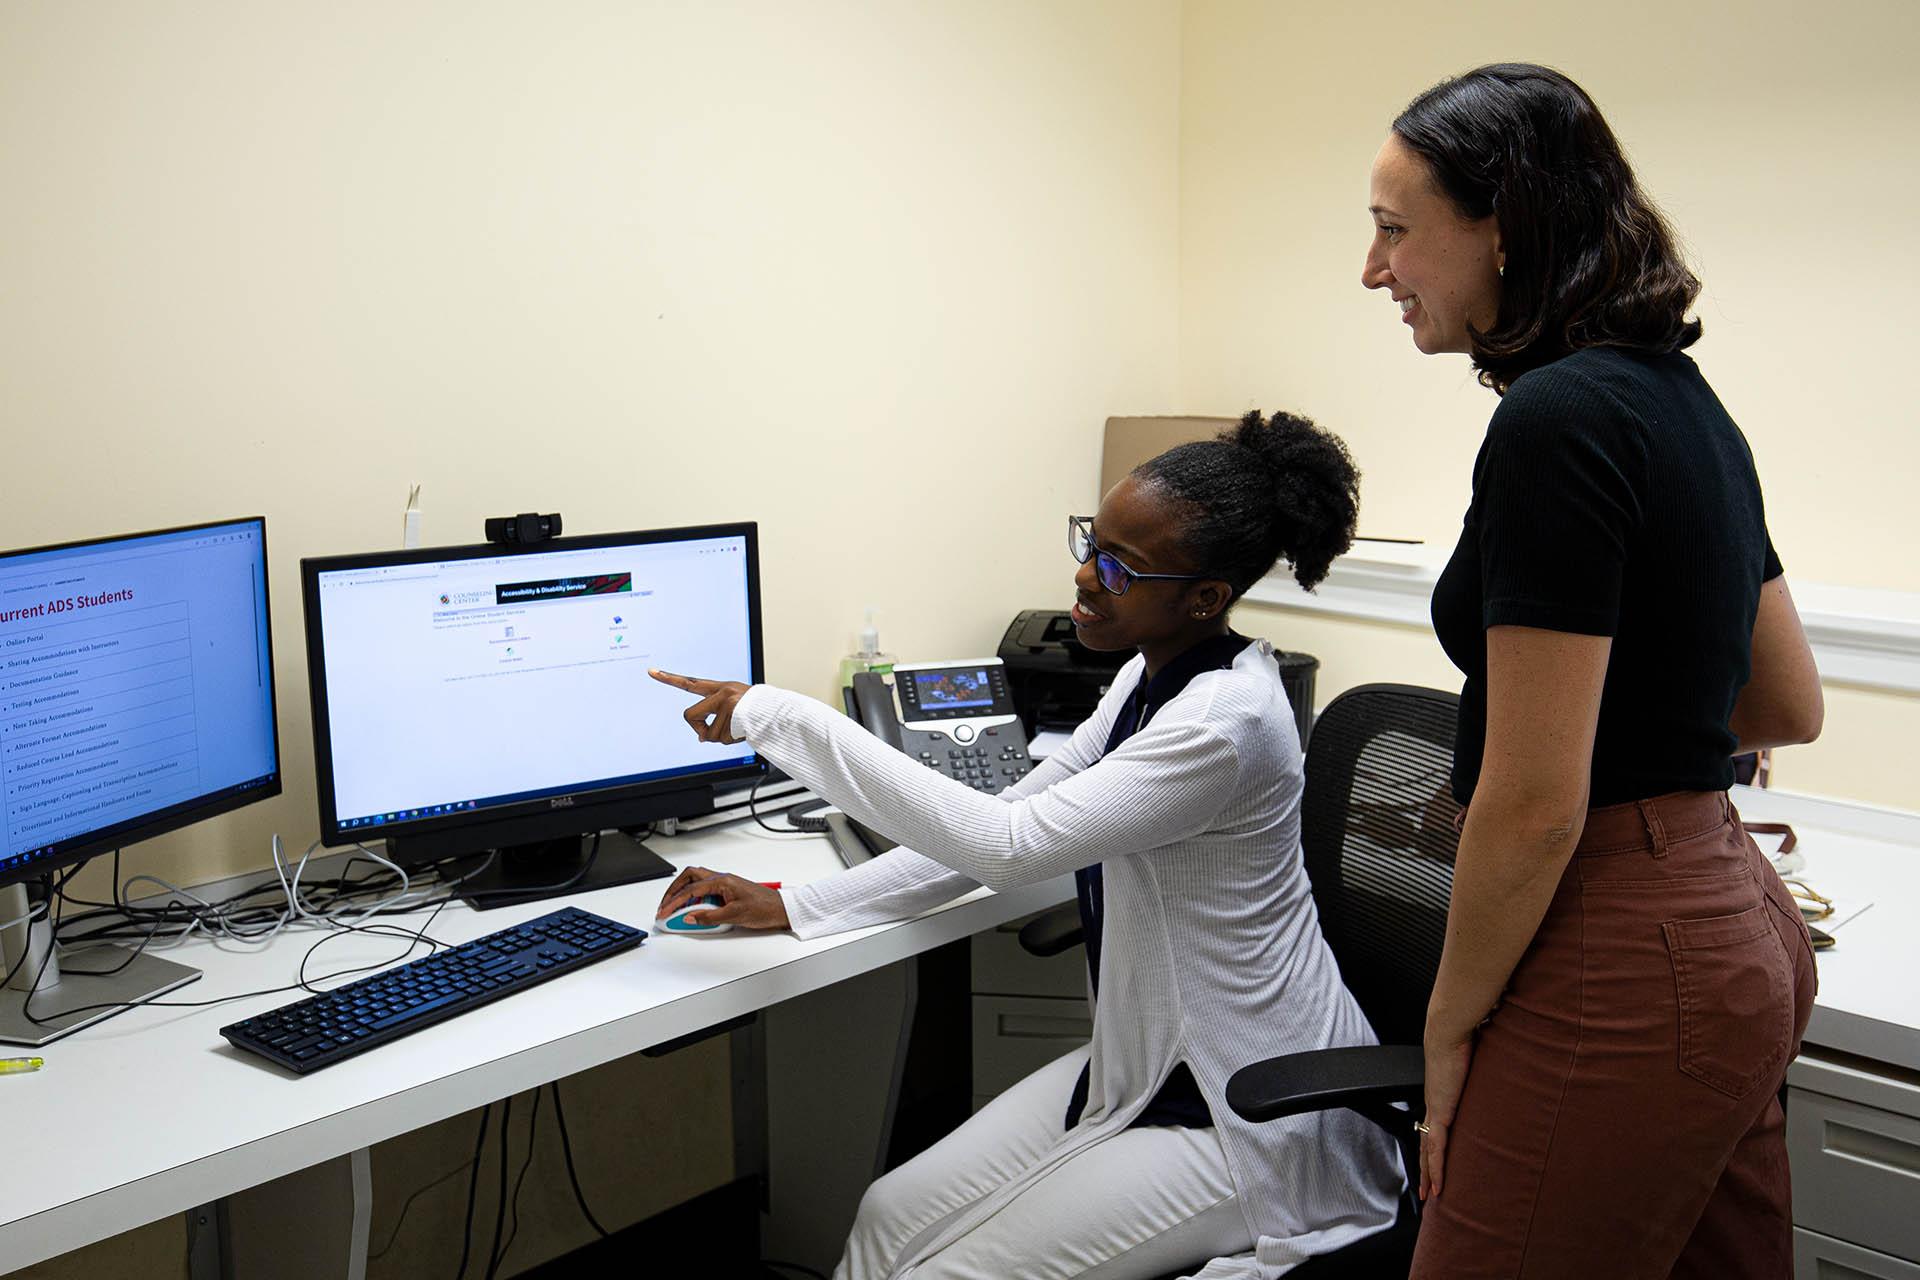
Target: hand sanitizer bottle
pixel 868 656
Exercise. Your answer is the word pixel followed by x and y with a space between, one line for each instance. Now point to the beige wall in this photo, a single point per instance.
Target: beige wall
pixel 1783 139
pixel 648 265
pixel 873 275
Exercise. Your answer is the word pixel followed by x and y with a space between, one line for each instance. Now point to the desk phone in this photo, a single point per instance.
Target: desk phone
pixel 954 717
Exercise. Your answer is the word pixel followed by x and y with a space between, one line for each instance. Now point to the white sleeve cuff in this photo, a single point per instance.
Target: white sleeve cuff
pixel 755 710
pixel 802 919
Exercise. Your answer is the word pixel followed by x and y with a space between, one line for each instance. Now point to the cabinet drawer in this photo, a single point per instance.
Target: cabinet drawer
pixel 1002 967
pixel 1014 1036
pixel 1856 1173
pixel 1818 1257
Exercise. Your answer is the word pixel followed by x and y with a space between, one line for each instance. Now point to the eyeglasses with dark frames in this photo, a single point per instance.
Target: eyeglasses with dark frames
pixel 1114 573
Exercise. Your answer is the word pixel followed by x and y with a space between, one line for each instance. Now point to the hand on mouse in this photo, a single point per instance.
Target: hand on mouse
pixel 711 718
pixel 742 902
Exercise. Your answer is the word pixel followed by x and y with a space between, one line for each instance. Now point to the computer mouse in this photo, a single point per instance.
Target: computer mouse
pixel 677 922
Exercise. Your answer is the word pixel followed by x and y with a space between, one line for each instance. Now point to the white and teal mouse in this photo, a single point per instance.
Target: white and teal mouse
pixel 677 921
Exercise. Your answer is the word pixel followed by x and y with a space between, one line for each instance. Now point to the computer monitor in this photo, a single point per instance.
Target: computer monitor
pixel 493 698
pixel 136 697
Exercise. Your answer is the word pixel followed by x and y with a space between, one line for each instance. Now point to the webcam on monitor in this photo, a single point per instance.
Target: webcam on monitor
pixel 523 530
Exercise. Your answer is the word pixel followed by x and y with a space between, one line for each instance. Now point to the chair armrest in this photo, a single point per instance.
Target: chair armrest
pixel 1366 1078
pixel 1056 931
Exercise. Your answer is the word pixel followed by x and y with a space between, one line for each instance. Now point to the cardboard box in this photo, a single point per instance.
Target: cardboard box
pixel 1131 441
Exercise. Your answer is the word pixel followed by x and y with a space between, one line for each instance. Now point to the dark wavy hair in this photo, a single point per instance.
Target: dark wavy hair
pixel 1260 490
pixel 1590 261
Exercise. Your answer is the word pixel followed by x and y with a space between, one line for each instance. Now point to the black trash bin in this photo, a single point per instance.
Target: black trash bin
pixel 1296 677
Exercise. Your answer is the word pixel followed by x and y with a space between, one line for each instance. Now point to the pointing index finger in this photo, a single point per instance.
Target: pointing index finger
pixel 687 683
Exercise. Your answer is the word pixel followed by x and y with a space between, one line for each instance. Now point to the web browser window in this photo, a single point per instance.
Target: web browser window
pixel 134 677
pixel 474 682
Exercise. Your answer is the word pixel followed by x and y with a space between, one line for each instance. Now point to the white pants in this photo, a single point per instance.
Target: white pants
pixel 1140 1204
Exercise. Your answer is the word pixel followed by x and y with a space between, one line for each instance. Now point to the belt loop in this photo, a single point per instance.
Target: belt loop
pixel 1655 832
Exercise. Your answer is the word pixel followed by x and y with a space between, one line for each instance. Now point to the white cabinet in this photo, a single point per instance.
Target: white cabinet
pixel 1853 1138
pixel 1816 1257
pixel 1027 1011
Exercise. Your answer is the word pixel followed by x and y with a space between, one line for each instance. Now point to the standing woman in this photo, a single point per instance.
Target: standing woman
pixel 1624 978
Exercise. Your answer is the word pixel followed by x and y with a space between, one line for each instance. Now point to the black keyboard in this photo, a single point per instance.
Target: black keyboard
pixel 324 1029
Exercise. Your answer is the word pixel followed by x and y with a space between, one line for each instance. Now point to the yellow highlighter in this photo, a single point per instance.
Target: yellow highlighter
pixel 14 1066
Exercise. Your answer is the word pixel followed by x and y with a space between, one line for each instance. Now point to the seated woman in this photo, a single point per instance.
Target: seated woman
pixel 1177 805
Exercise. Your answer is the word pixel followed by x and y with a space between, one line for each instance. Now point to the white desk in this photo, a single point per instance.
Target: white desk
pixel 152 1113
pixel 1853 1110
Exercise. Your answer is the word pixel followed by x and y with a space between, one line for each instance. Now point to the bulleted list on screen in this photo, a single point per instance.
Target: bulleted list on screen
pixel 99 719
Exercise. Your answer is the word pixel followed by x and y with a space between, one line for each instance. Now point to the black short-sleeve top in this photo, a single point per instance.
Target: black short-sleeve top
pixel 1614 496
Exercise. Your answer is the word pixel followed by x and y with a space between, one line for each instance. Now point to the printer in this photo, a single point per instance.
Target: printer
pixel 1056 681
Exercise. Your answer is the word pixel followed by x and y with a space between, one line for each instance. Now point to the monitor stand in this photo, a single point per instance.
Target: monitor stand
pixel 65 999
pixel 559 868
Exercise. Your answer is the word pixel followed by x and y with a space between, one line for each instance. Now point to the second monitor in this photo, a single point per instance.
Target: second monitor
pixel 472 698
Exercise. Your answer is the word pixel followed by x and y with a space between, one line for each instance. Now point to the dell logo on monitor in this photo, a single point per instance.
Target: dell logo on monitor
pixel 560 802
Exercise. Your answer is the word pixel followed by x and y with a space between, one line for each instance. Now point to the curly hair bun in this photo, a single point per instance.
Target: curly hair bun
pixel 1261 490
pixel 1316 489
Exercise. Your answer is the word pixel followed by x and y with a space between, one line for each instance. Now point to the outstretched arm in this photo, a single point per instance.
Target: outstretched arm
pixel 1164 784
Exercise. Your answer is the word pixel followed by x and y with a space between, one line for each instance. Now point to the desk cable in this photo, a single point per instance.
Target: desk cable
pixel 219 918
pixel 471 1166
pixel 239 918
pixel 800 816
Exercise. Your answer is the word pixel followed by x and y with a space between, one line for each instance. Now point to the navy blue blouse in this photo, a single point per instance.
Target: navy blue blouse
pixel 1178 1104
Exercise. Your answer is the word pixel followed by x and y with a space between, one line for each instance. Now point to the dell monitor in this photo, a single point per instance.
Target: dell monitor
pixel 136 697
pixel 495 699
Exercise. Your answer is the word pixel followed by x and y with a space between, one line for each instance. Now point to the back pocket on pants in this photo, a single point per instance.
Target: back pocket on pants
pixel 1735 986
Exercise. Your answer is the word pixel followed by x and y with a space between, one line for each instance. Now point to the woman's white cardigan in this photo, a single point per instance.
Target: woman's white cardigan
pixel 1212 952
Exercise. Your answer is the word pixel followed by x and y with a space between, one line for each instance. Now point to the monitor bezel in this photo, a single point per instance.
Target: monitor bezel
pixel 587 805
pixel 187 812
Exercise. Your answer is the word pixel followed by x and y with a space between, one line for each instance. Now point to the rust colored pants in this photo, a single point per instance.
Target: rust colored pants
pixel 1622 1114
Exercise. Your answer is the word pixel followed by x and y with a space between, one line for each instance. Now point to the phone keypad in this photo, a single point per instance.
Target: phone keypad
pixel 991 763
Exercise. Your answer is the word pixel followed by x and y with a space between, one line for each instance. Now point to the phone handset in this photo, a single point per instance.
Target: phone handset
pixel 873 699
pixel 870 700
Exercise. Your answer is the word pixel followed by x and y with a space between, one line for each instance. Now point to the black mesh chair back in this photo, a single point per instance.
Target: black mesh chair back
pixel 1378 834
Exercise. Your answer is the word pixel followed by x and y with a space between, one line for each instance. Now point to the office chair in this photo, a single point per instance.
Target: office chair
pixel 1378 837
pixel 1377 830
